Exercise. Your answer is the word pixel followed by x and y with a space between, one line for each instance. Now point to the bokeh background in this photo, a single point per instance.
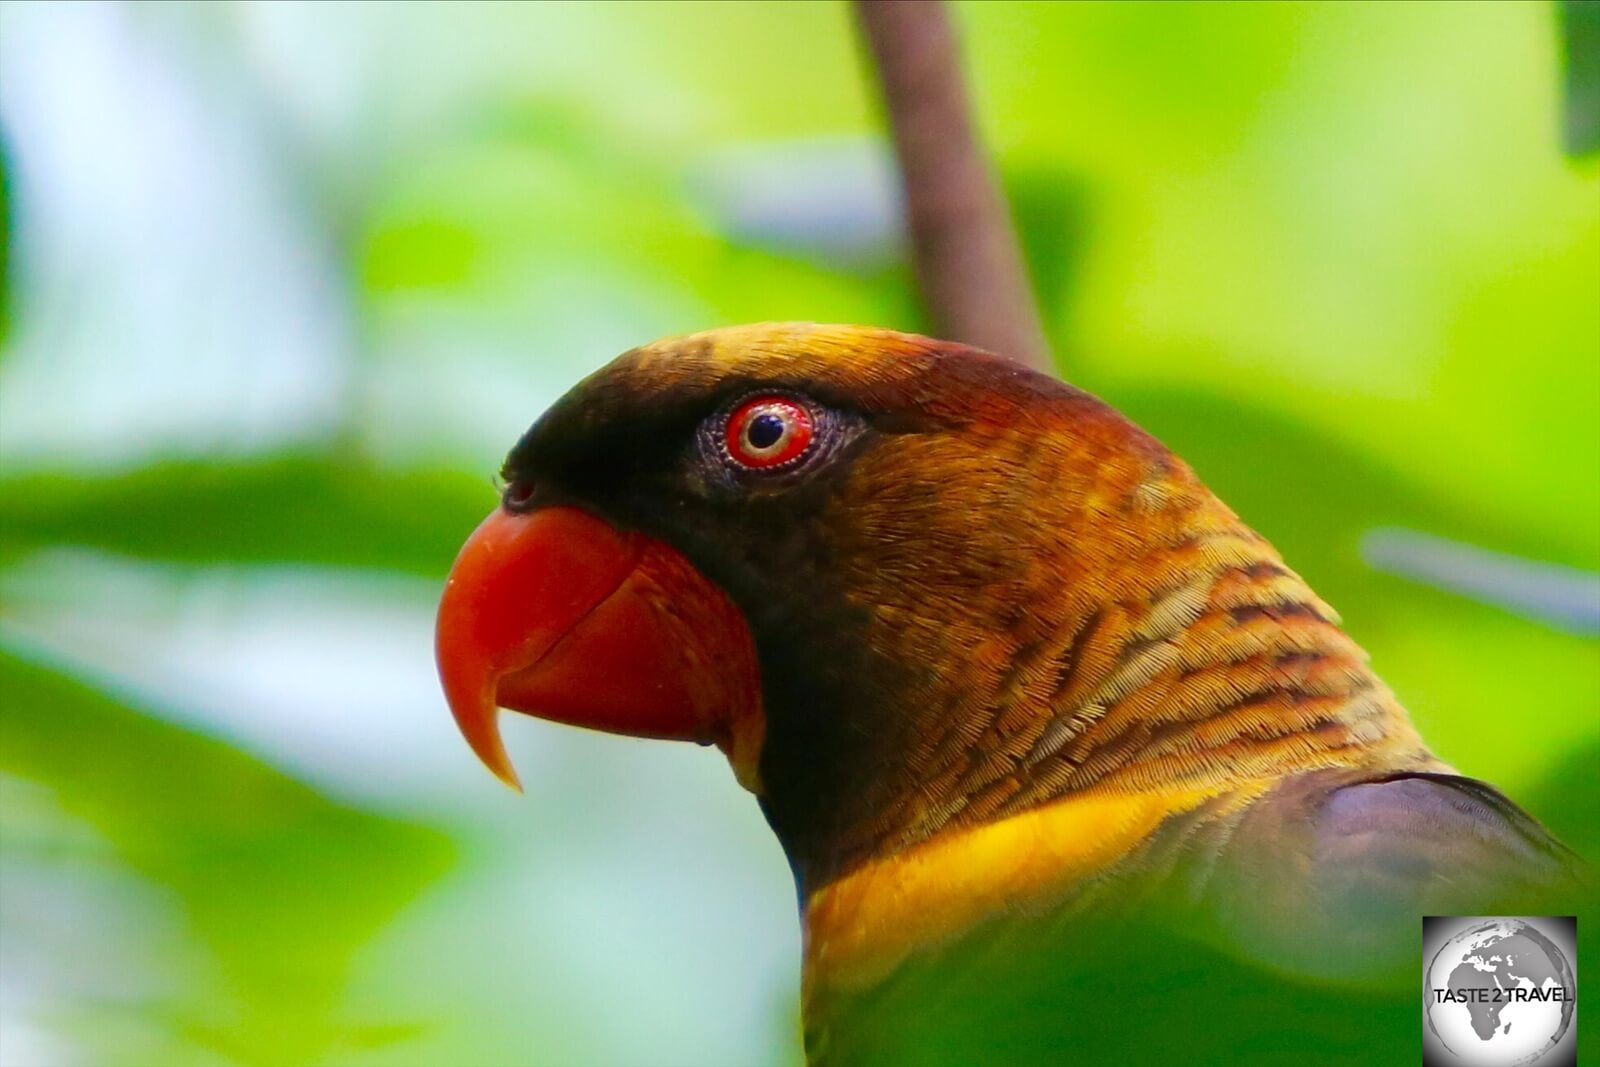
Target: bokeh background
pixel 285 280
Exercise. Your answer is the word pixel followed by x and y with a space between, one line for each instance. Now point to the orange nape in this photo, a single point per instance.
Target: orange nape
pixel 558 614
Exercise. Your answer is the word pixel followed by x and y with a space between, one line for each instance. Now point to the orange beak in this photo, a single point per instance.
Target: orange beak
pixel 559 614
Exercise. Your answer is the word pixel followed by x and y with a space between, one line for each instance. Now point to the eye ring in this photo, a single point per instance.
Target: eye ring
pixel 517 496
pixel 769 431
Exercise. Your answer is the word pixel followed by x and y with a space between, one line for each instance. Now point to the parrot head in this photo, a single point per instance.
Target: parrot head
pixel 907 586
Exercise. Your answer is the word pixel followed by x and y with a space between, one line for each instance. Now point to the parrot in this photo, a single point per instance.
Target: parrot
pixel 1068 765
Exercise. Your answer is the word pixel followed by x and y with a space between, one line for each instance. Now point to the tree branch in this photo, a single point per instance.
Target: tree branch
pixel 964 248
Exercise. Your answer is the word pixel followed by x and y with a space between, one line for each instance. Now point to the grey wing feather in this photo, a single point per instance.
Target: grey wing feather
pixel 1331 874
pixel 1434 838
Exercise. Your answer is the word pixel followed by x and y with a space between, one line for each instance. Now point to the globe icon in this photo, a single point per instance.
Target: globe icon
pixel 1499 993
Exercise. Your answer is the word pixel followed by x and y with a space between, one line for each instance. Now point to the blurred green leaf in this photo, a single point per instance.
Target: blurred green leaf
pixel 279 883
pixel 540 201
pixel 1568 800
pixel 1052 212
pixel 289 508
pixel 418 254
pixel 1580 39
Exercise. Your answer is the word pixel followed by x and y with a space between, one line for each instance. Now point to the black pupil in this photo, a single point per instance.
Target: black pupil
pixel 764 430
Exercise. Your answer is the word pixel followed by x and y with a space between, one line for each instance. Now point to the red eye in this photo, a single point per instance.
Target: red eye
pixel 768 430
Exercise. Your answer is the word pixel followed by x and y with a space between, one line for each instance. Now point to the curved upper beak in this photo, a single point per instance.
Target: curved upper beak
pixel 559 614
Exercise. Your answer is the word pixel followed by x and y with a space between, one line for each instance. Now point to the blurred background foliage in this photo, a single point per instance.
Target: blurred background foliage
pixel 285 280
